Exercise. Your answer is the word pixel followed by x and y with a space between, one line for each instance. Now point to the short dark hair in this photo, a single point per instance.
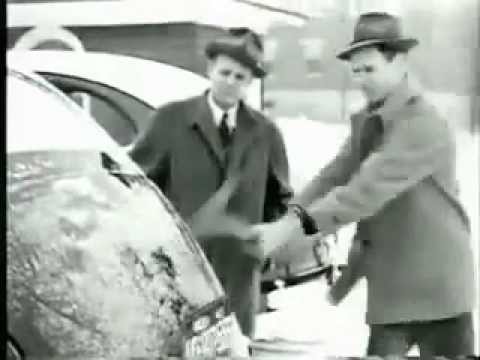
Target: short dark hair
pixel 388 52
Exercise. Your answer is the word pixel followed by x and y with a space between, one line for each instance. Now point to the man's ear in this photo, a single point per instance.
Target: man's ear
pixel 209 68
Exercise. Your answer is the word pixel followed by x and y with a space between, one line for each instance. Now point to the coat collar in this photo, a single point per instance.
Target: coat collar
pixel 246 132
pixel 202 119
pixel 396 100
pixel 217 113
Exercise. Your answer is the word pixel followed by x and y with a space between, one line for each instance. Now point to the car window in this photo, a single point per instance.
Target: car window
pixel 108 116
pixel 122 115
pixel 40 118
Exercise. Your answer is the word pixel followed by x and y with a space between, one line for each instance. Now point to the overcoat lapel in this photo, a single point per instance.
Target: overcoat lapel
pixel 358 122
pixel 202 121
pixel 247 130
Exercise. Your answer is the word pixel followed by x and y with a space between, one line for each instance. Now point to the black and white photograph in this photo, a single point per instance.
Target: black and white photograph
pixel 242 179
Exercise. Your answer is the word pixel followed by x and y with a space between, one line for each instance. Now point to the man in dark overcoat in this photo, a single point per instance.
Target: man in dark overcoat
pixel 194 145
pixel 395 177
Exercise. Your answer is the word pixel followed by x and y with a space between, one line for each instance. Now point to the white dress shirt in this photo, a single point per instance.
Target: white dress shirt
pixel 218 113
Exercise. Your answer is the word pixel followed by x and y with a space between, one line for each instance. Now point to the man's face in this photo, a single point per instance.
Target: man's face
pixel 229 80
pixel 374 74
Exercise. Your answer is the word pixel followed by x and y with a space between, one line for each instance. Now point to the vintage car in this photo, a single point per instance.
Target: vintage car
pixel 100 265
pixel 121 93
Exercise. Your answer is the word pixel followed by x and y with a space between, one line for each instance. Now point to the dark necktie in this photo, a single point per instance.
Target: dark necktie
pixel 224 131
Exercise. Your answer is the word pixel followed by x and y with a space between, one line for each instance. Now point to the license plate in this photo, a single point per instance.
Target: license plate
pixel 214 341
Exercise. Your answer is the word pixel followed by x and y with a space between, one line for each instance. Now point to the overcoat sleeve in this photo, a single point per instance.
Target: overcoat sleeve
pixel 337 172
pixel 410 153
pixel 151 151
pixel 278 190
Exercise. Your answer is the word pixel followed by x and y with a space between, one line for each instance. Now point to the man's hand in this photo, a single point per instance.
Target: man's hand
pixel 212 219
pixel 323 248
pixel 276 234
pixel 212 223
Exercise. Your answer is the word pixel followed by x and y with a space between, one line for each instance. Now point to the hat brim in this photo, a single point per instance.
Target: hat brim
pixel 237 53
pixel 404 45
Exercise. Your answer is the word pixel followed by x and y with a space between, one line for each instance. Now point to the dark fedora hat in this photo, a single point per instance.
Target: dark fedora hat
pixel 241 44
pixel 378 28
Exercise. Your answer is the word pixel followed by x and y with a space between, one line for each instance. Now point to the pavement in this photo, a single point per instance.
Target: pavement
pixel 305 324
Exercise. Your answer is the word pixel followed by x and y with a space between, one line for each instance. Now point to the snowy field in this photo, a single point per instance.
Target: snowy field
pixel 305 323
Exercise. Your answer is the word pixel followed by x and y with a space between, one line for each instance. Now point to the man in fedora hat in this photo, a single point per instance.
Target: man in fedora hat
pixel 194 145
pixel 394 177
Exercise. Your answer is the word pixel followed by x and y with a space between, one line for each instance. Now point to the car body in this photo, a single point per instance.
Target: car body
pixel 120 92
pixel 90 272
pixel 123 92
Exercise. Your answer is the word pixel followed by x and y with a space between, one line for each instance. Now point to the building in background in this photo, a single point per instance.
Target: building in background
pixel 301 40
pixel 312 83
pixel 174 32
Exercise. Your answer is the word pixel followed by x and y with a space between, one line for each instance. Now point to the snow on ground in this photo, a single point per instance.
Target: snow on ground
pixel 310 145
pixel 305 323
